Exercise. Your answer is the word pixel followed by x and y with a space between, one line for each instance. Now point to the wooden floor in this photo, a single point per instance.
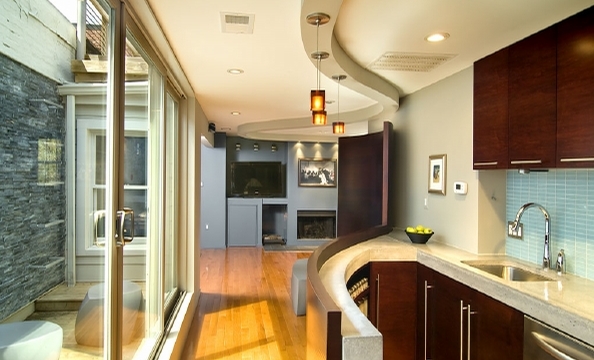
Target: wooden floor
pixel 245 309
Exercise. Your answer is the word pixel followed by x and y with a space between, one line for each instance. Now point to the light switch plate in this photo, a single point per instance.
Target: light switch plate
pixel 518 233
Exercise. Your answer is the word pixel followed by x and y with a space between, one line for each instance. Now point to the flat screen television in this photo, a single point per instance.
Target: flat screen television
pixel 258 179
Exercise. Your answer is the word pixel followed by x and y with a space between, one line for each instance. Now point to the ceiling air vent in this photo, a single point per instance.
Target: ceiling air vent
pixel 234 23
pixel 402 61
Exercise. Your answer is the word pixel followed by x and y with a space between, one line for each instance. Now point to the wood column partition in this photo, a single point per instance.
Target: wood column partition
pixel 363 193
pixel 363 181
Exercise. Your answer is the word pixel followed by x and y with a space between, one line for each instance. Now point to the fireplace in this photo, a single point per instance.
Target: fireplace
pixel 316 224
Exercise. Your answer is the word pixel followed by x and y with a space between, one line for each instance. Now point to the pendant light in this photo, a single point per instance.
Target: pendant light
pixel 318 96
pixel 338 126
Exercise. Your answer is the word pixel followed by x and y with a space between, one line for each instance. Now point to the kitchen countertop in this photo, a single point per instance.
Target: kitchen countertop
pixel 566 303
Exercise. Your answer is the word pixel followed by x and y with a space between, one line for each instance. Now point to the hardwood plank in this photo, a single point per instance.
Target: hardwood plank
pixel 245 309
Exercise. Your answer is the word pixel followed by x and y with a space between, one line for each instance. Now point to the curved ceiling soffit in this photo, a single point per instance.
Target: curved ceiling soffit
pixel 265 130
pixel 359 79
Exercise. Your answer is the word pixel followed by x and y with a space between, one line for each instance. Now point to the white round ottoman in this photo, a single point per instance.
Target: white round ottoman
pixel 30 340
pixel 88 329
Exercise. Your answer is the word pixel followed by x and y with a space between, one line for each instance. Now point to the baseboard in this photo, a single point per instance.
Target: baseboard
pixel 21 315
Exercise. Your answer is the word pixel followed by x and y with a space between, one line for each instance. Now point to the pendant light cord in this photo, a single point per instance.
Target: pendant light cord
pixel 318 50
pixel 338 101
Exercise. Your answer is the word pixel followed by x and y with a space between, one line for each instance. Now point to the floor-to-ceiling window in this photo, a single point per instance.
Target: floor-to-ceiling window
pixel 60 152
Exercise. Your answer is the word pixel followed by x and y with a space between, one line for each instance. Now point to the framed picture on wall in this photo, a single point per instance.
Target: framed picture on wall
pixel 437 174
pixel 317 172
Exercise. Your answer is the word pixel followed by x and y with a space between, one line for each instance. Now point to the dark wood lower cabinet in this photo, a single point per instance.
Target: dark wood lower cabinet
pixel 471 325
pixel 393 306
pixel 423 314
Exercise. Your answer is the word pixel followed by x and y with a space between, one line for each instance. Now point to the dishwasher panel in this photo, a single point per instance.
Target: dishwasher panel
pixel 542 342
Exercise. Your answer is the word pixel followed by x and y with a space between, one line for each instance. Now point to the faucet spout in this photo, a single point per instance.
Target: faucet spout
pixel 546 258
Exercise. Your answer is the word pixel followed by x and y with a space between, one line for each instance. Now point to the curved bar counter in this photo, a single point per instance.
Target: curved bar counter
pixel 336 328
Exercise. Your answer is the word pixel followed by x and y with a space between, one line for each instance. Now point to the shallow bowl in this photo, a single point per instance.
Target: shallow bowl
pixel 418 238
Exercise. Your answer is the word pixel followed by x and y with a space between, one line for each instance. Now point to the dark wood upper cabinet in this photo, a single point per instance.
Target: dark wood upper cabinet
pixel 490 115
pixel 548 105
pixel 575 91
pixel 533 101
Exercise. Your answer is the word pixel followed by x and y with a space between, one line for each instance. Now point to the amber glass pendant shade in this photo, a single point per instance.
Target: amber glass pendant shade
pixel 319 117
pixel 338 127
pixel 318 100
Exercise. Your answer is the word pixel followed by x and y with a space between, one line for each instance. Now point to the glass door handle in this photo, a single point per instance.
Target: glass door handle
pixel 124 235
pixel 97 216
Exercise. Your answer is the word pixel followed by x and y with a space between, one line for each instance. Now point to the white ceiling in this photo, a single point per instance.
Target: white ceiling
pixel 272 94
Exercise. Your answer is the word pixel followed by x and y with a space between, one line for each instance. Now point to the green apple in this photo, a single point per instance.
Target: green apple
pixel 428 231
pixel 411 229
pixel 420 228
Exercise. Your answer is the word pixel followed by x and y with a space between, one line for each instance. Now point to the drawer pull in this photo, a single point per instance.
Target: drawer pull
pixel 520 162
pixel 577 159
pixel 490 163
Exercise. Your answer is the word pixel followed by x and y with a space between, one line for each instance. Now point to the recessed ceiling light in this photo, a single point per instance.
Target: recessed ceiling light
pixel 235 113
pixel 437 37
pixel 235 71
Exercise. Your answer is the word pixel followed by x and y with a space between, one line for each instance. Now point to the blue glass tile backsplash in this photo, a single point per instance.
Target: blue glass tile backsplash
pixel 568 196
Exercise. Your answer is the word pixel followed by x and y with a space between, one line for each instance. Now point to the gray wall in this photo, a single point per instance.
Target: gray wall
pixel 307 198
pixel 32 214
pixel 215 167
pixel 213 206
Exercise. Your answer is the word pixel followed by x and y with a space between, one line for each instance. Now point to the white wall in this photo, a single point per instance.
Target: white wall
pixel 50 38
pixel 438 120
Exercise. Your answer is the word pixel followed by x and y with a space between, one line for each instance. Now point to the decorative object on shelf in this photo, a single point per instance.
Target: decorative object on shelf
pixel 273 148
pixel 338 126
pixel 359 292
pixel 237 146
pixel 317 172
pixel 318 96
pixel 437 174
pixel 256 146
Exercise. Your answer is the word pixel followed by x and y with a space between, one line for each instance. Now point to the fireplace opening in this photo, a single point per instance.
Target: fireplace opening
pixel 316 224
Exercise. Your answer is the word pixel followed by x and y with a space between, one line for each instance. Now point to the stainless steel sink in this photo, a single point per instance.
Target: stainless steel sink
pixel 509 272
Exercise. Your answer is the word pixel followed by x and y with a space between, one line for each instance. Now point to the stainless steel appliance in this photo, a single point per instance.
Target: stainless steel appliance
pixel 542 342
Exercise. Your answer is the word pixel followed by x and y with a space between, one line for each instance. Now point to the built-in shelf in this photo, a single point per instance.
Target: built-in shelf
pixel 52 261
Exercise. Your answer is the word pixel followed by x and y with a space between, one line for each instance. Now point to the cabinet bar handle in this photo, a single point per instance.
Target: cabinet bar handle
pixel 490 163
pixel 468 332
pixel 520 162
pixel 377 306
pixel 577 159
pixel 427 287
pixel 461 329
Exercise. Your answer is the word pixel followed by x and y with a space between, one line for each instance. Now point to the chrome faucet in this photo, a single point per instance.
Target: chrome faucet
pixel 546 258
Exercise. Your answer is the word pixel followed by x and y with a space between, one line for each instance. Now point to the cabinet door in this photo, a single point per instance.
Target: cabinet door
pixel 450 336
pixel 575 91
pixel 533 101
pixel 244 224
pixel 490 115
pixel 393 306
pixel 425 312
pixel 498 330
pixel 491 331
